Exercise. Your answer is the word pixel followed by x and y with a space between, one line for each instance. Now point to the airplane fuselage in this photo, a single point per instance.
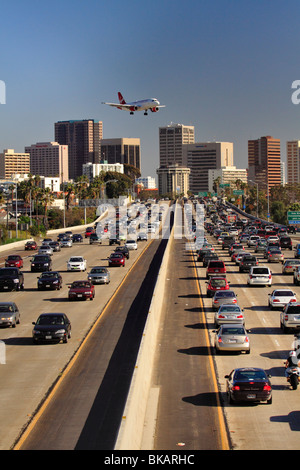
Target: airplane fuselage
pixel 143 105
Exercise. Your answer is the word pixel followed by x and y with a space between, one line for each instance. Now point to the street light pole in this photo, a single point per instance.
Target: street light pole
pixel 256 196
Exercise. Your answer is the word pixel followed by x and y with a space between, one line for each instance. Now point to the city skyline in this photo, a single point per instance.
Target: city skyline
pixel 225 68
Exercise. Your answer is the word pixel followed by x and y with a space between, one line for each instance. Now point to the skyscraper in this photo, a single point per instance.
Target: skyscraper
pixel 293 161
pixel 83 139
pixel 122 150
pixel 171 140
pixel 49 159
pixel 264 161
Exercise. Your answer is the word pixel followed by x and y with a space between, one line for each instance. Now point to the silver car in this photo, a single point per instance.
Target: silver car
pixel 45 250
pixel 223 297
pixel 9 314
pixel 290 317
pixel 232 338
pixel 99 275
pixel 66 242
pixel 290 265
pixel 276 256
pixel 229 314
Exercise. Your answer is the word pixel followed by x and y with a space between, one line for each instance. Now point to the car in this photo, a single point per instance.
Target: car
pixel 30 245
pixel 229 313
pixel 215 268
pixel 286 242
pixel 89 231
pixel 216 284
pixel 270 248
pixel 259 275
pixel 114 240
pixel 9 314
pixel 116 259
pixel 248 384
pixel 297 251
pixel 290 317
pixel 124 250
pixel 281 297
pixel 247 262
pixel 236 253
pixel 208 257
pixel 131 244
pixel 76 263
pixel 99 275
pixel 77 238
pixel 239 257
pixel 41 263
pixel 260 246
pixel 203 252
pixel 142 236
pixel 253 240
pixel 95 239
pixel 14 261
pixel 232 338
pixel 51 327
pixel 235 247
pixel 276 256
pixel 82 290
pixel 56 246
pixel 272 239
pixel 49 280
pixel 45 250
pixel 290 265
pixel 222 297
pixel 66 242
pixel 227 241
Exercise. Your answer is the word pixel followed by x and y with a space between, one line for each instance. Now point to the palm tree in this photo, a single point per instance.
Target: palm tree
pixel 46 198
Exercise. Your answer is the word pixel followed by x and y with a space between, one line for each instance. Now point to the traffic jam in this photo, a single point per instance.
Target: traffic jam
pixel 248 269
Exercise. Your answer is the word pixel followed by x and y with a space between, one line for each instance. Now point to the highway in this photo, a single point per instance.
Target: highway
pixel 184 352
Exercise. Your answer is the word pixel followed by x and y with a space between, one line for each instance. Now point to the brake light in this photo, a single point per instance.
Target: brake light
pixel 236 387
pixel 267 388
pixel 270 276
pixel 234 301
pixel 293 300
pixel 251 276
pixel 239 316
pixel 246 339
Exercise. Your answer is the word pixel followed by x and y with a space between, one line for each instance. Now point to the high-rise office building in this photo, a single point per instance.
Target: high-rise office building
pixel 264 161
pixel 83 140
pixel 171 140
pixel 49 159
pixel 122 150
pixel 293 162
pixel 173 179
pixel 12 163
pixel 201 157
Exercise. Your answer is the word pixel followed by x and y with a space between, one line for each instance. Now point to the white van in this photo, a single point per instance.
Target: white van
pixel 259 275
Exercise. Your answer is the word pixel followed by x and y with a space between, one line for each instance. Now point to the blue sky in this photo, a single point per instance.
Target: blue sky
pixel 225 67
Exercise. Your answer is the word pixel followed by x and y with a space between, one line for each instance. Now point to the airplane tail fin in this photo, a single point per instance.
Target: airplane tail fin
pixel 121 99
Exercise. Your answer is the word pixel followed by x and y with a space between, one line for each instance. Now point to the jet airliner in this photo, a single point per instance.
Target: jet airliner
pixel 143 105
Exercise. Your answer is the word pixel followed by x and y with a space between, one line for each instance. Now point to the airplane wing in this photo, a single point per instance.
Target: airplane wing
pixel 120 106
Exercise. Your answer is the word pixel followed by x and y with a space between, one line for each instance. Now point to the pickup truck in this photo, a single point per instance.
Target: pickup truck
pixel 247 262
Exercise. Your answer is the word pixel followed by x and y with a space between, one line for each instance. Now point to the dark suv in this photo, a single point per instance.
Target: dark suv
pixel 286 242
pixel 41 263
pixel 227 241
pixel 11 279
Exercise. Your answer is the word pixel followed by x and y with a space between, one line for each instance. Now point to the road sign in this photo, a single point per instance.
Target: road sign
pixel 293 217
pixel 238 192
pixel 202 193
pixel 224 185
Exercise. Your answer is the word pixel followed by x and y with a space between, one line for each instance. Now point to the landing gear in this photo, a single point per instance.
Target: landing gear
pixel 145 113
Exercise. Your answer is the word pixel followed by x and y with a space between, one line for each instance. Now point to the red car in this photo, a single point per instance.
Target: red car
pixel 15 261
pixel 215 284
pixel 116 259
pixel 215 268
pixel 31 246
pixel 89 231
pixel 82 290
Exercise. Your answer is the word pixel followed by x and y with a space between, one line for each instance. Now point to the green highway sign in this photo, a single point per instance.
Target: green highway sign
pixel 238 192
pixel 202 193
pixel 224 185
pixel 293 215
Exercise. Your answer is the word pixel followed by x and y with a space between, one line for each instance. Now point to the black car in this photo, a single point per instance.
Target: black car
pixel 286 242
pixel 77 238
pixel 248 384
pixel 209 256
pixel 49 280
pixel 124 250
pixel 11 279
pixel 94 238
pixel 247 262
pixel 52 327
pixel 114 241
pixel 41 263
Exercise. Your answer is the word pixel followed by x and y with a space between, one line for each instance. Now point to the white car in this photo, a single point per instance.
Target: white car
pixel 259 275
pixel 131 245
pixel 76 263
pixel 253 240
pixel 281 297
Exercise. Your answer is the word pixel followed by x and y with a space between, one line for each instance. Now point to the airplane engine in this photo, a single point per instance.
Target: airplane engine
pixel 136 108
pixel 154 110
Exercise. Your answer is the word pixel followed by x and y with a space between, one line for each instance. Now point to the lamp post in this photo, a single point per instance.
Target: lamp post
pixel 256 196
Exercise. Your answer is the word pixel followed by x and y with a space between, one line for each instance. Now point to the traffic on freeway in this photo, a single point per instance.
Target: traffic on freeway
pixel 253 317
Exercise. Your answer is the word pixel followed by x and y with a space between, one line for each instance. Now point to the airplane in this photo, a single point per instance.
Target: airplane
pixel 152 103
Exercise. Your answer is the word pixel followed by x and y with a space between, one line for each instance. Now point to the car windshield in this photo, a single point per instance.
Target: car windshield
pixel 7 272
pixel 216 264
pixel 49 274
pixel 76 260
pixel 50 320
pixel 98 270
pixel 225 294
pixel 283 293
pixel 41 258
pixel 233 331
pixel 250 375
pixel 276 252
pixel 13 257
pixel 260 271
pixel 6 308
pixel 293 309
pixel 76 284
pixel 218 282
pixel 230 308
pixel 292 261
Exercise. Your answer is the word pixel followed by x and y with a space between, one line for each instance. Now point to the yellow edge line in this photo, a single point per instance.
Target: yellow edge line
pixel 223 430
pixel 69 366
